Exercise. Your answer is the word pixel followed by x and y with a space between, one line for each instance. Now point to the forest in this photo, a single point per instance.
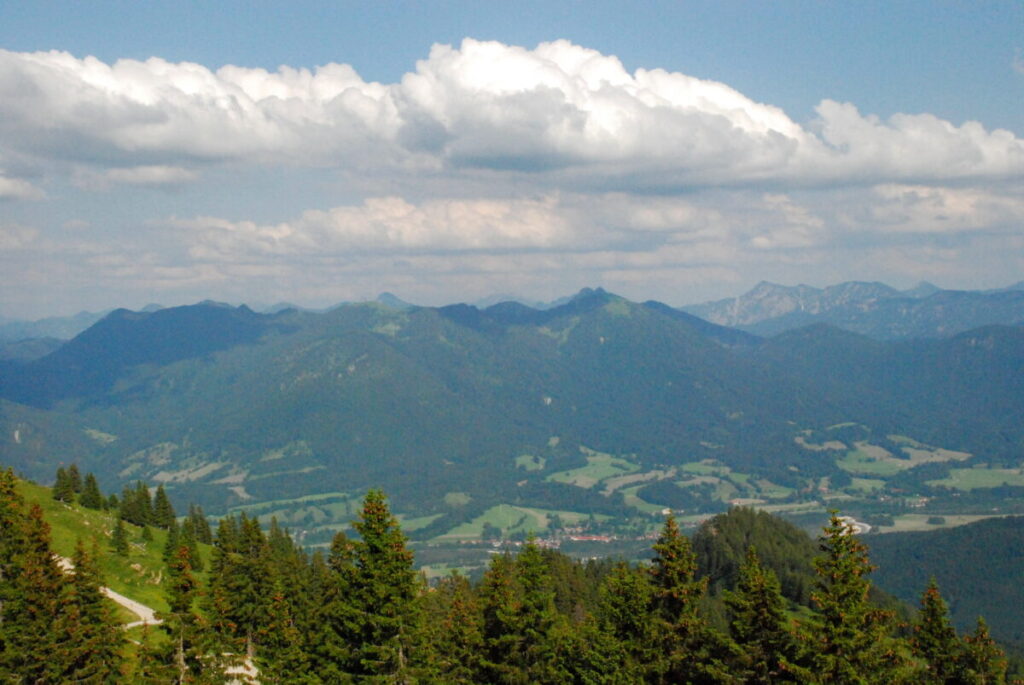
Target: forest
pixel 732 605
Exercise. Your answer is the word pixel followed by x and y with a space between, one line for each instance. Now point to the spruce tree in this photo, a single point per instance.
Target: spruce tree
pixel 63 491
pixel 12 546
pixel 984 663
pixel 687 648
pixel 163 512
pixel 119 540
pixel 849 637
pixel 385 588
pixel 91 497
pixel 934 640
pixel 624 613
pixel 75 478
pixel 32 648
pixel 501 598
pixel 768 650
pixel 90 638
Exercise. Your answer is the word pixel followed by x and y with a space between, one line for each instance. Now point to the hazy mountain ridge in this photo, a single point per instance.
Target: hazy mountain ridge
pixel 873 309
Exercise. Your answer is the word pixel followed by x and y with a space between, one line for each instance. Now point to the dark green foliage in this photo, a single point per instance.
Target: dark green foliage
pixel 91 639
pixel 163 512
pixel 688 649
pixel 849 638
pixel 983 661
pixel 992 589
pixel 722 542
pixel 75 478
pixel 934 640
pixel 119 539
pixel 53 628
pixel 91 497
pixel 200 525
pixel 767 646
pixel 63 490
pixel 137 505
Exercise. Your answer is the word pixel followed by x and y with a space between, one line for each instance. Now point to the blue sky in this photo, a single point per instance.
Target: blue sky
pixel 680 151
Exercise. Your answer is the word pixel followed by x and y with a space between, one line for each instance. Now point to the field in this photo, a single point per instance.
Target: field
pixel 599 467
pixel 512 520
pixel 970 479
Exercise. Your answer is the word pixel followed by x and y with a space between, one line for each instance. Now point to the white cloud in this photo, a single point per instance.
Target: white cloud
pixel 560 111
pixel 924 209
pixel 18 189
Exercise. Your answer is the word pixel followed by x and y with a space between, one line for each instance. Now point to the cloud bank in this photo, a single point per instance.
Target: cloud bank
pixel 487 167
pixel 557 108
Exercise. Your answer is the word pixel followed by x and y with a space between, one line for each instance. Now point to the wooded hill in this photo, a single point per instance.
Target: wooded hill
pixel 599 407
pixel 362 613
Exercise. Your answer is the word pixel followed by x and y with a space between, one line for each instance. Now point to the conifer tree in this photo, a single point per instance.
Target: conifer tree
pixel 91 497
pixel 119 540
pixel 501 598
pixel 538 621
pixel 984 663
pixel 451 633
pixel 768 650
pixel 385 587
pixel 163 512
pixel 12 546
pixel 934 639
pixel 90 640
pixel 336 615
pixel 171 543
pixel 31 614
pixel 200 524
pixel 688 650
pixel 849 636
pixel 63 491
pixel 75 478
pixel 624 613
pixel 181 624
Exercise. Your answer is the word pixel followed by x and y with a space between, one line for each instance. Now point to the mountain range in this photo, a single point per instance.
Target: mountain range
pixel 599 406
pixel 873 309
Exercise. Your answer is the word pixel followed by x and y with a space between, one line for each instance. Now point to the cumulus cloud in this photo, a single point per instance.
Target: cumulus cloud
pixel 559 110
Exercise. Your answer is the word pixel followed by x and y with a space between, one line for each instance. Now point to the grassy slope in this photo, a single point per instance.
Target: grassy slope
pixel 138 576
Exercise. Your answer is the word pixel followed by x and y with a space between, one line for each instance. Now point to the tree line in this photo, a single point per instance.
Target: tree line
pixel 361 613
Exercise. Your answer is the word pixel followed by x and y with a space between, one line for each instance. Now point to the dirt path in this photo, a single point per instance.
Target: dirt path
pixel 146 615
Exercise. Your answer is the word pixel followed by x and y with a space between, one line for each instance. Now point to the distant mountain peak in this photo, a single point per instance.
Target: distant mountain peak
pixel 393 301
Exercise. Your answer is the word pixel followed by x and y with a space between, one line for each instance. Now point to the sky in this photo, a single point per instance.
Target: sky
pixel 320 152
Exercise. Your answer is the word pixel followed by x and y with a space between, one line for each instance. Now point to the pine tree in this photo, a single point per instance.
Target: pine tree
pixel 31 648
pixel 75 478
pixel 538 620
pixel 451 634
pixel 688 650
pixel 63 490
pixel 984 663
pixel 91 497
pixel 171 543
pixel 163 512
pixel 501 598
pixel 849 636
pixel 12 546
pixel 201 525
pixel 89 637
pixel 624 613
pixel 119 540
pixel 759 626
pixel 384 588
pixel 934 639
